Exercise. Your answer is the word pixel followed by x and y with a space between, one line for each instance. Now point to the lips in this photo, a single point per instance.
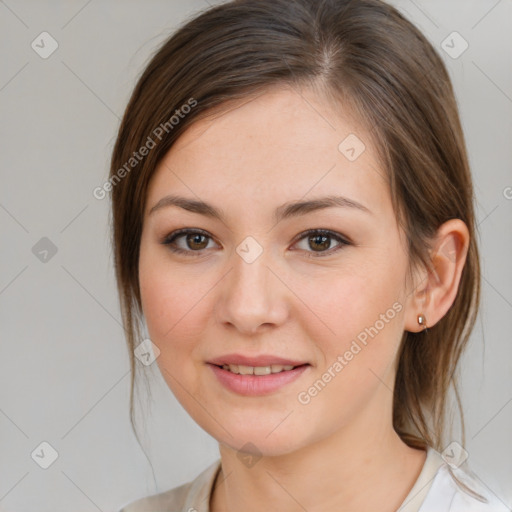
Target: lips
pixel 256 375
pixel 257 370
pixel 254 361
pixel 259 384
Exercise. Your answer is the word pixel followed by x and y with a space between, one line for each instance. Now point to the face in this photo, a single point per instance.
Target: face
pixel 322 289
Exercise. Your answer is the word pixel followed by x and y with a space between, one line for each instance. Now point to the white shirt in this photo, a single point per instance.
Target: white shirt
pixel 435 490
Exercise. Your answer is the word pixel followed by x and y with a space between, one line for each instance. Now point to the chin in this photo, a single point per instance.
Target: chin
pixel 260 446
pixel 258 442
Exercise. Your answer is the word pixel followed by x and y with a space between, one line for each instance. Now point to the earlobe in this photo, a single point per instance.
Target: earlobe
pixel 438 287
pixel 422 321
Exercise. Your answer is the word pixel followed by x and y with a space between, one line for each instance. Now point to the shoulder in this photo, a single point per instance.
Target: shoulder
pixel 173 499
pixel 192 495
pixel 458 489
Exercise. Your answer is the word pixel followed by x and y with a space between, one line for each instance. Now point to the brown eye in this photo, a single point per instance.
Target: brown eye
pixel 194 242
pixel 322 242
pixel 319 241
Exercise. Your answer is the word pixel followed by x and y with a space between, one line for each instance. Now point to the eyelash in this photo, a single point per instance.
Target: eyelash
pixel 170 239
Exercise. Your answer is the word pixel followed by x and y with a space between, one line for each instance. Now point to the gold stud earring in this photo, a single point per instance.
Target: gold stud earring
pixel 422 320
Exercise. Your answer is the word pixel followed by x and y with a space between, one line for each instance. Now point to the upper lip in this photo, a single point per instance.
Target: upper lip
pixel 262 360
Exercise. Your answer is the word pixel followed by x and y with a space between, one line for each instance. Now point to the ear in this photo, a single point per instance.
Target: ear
pixel 437 287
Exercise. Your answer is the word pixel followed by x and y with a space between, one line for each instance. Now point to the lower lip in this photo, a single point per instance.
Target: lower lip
pixel 256 385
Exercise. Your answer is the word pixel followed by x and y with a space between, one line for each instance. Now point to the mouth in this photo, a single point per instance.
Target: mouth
pixel 234 361
pixel 240 369
pixel 252 381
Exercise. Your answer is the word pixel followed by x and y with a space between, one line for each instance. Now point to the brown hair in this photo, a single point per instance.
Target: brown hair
pixel 363 54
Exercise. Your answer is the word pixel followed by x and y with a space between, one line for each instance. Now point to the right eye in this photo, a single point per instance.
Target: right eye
pixel 195 241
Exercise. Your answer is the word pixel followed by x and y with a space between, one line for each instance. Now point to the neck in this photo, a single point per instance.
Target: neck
pixel 333 474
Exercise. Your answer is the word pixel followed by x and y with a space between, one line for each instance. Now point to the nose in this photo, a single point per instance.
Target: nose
pixel 253 296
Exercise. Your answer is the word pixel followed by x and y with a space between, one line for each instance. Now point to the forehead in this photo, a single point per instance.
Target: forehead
pixel 280 145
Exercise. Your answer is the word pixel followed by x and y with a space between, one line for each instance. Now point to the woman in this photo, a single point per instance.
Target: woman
pixel 293 219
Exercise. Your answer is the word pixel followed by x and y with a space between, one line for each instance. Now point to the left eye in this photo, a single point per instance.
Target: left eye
pixel 321 239
pixel 197 241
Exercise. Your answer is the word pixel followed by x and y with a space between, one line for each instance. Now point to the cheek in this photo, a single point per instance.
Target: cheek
pixel 171 309
pixel 361 319
pixel 356 360
pixel 353 298
pixel 175 303
pixel 167 293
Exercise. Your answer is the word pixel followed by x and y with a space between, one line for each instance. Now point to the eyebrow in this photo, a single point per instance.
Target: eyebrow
pixel 285 211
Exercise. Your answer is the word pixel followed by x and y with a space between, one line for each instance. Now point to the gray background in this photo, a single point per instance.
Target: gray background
pixel 64 366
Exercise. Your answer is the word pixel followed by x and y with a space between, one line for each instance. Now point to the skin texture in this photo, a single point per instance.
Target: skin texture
pixel 277 147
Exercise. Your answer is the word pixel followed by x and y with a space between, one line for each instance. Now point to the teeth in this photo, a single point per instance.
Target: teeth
pixel 262 370
pixel 257 370
pixel 245 370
